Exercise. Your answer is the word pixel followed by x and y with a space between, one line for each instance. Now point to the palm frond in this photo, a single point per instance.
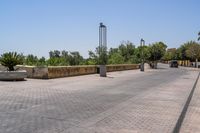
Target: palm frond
pixel 10 60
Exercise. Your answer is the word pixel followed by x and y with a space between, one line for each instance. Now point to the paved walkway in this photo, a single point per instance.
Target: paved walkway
pixel 124 102
pixel 191 123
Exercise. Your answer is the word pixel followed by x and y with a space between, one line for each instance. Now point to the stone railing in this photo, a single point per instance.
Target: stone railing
pixel 36 72
pixel 66 71
pixel 122 67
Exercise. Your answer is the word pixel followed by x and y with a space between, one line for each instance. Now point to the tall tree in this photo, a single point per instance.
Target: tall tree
pixel 193 51
pixel 156 51
pixel 64 53
pixel 142 52
pixel 55 53
pixel 31 60
pixel 182 52
pixel 115 58
pixel 127 50
pixel 93 58
pixel 41 61
pixel 75 58
pixel 171 54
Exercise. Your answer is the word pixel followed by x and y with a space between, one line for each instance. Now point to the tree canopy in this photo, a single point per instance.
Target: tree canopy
pixel 125 53
pixel 193 51
pixel 157 51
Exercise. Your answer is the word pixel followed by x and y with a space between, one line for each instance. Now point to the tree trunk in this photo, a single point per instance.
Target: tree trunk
pixel 196 64
pixel 155 65
pixel 11 68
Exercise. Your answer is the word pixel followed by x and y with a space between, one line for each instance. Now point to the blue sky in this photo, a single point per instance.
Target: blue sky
pixel 38 26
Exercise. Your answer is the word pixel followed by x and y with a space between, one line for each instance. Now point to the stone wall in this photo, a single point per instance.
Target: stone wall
pixel 111 68
pixel 36 72
pixel 66 71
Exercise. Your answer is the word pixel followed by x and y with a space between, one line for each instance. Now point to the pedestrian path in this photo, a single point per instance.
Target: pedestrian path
pixel 124 102
pixel 191 123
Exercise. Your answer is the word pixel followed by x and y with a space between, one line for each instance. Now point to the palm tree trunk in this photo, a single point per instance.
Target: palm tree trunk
pixel 11 68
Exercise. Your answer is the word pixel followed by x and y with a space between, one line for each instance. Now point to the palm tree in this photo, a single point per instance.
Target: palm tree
pixel 10 60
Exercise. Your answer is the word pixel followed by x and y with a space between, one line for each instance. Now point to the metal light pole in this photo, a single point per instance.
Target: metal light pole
pixel 102 49
pixel 102 38
pixel 142 44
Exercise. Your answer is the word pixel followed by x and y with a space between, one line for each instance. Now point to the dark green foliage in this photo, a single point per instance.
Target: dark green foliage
pixel 41 62
pixel 56 61
pixel 125 53
pixel 182 52
pixel 64 58
pixel 11 59
pixel 116 58
pixel 92 60
pixel 75 58
pixel 156 51
pixel 127 50
pixel 142 52
pixel 31 60
pixel 55 53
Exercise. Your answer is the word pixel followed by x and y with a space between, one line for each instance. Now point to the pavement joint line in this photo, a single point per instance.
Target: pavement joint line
pixel 185 108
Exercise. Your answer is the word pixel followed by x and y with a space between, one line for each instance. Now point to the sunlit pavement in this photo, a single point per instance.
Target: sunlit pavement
pixel 192 119
pixel 124 102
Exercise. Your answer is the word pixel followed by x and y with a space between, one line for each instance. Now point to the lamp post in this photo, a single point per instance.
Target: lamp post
pixel 102 49
pixel 102 37
pixel 142 44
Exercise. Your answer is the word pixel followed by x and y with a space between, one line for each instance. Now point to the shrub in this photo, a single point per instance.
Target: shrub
pixel 11 59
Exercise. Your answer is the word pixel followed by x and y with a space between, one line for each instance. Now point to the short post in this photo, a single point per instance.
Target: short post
pixel 142 44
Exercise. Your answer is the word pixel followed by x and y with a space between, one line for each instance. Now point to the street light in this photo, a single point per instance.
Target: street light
pixel 142 44
pixel 102 49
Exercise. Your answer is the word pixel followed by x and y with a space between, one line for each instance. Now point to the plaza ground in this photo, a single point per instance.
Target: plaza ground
pixel 124 102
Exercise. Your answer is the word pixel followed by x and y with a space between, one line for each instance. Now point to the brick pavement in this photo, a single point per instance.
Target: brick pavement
pixel 155 111
pixel 192 119
pixel 128 101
